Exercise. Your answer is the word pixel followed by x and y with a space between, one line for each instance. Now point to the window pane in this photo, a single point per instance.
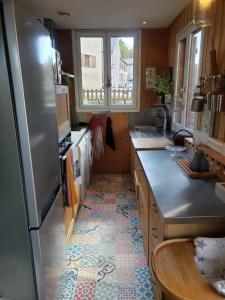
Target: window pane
pixel 194 74
pixel 92 69
pixel 122 64
pixel 180 75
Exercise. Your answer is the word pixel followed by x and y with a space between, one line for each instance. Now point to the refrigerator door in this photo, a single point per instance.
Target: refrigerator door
pixel 49 251
pixel 30 59
pixel 16 264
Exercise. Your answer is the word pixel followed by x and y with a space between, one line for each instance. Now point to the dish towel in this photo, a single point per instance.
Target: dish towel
pixel 109 134
pixel 71 191
pixel 210 259
pixel 76 164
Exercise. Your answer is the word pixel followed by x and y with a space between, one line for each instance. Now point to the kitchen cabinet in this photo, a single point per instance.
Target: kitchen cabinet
pixel 62 111
pixel 156 228
pixel 70 214
pixel 83 141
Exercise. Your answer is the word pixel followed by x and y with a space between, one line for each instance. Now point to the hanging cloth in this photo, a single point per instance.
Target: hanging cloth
pixel 109 134
pixel 96 124
pixel 76 165
pixel 98 145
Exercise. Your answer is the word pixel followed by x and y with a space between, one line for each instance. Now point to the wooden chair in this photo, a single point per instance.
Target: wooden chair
pixel 177 274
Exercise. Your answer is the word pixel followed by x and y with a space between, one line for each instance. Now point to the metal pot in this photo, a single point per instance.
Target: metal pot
pixel 198 104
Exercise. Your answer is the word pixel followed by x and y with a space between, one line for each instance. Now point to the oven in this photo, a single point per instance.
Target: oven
pixel 63 111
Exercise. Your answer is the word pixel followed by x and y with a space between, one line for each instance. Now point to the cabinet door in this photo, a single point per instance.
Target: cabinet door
pixel 144 209
pixel 136 187
pixel 155 236
pixel 156 225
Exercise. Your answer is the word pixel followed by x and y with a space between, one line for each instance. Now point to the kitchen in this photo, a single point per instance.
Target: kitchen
pixel 112 155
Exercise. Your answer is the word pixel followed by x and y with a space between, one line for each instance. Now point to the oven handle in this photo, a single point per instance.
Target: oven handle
pixel 64 183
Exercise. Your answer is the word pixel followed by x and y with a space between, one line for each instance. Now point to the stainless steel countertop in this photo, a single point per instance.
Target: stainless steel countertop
pixel 179 197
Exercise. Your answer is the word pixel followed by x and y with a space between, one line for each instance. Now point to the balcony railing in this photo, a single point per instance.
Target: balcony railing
pixel 118 96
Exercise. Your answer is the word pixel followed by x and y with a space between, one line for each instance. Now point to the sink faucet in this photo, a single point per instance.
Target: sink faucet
pixel 160 108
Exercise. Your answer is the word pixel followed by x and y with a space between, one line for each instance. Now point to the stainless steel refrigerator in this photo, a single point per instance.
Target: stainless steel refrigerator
pixel 31 205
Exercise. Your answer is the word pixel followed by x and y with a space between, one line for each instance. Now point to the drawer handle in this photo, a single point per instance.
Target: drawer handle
pixel 154 208
pixel 154 232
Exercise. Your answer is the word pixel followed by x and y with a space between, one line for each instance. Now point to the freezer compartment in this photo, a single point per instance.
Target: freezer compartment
pixel 49 250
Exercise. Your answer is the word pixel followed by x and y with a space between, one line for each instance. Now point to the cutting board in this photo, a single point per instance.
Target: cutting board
pixel 151 143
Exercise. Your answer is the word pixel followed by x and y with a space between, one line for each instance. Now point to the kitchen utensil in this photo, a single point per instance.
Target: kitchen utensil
pixel 209 100
pixel 185 165
pixel 199 163
pixel 175 149
pixel 178 138
pixel 199 97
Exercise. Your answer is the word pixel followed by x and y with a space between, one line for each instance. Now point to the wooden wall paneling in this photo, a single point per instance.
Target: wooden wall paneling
pixel 214 39
pixel 117 161
pixel 177 25
pixel 220 34
pixel 154 47
pixel 216 33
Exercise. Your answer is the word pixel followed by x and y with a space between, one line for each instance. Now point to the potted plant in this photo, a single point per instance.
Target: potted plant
pixel 163 88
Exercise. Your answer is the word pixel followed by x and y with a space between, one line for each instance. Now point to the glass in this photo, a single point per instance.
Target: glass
pixel 92 70
pixel 180 77
pixel 122 70
pixel 194 74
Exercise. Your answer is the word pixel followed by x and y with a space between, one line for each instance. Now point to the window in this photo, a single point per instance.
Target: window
pixel 188 70
pixel 88 61
pixel 107 70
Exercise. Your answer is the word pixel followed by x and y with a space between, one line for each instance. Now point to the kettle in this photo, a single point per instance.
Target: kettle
pixel 199 163
pixel 178 138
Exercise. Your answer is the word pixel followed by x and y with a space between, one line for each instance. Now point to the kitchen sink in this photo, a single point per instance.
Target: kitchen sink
pixel 146 128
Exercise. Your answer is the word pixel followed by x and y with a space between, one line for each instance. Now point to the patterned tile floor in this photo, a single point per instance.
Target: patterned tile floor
pixel 105 258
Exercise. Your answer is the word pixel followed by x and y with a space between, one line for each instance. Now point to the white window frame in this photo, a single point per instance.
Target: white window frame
pixel 186 33
pixel 106 35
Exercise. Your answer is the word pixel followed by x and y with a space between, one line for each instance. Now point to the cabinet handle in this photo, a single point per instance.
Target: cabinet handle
pixel 154 208
pixel 154 232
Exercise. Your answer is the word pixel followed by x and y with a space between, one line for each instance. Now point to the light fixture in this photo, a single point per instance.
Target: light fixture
pixel 202 12
pixel 144 22
pixel 63 13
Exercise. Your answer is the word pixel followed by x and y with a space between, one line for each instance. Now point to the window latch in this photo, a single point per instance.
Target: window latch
pixel 109 82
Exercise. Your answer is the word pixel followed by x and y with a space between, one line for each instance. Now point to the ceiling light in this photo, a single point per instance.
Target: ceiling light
pixel 202 12
pixel 63 13
pixel 144 22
